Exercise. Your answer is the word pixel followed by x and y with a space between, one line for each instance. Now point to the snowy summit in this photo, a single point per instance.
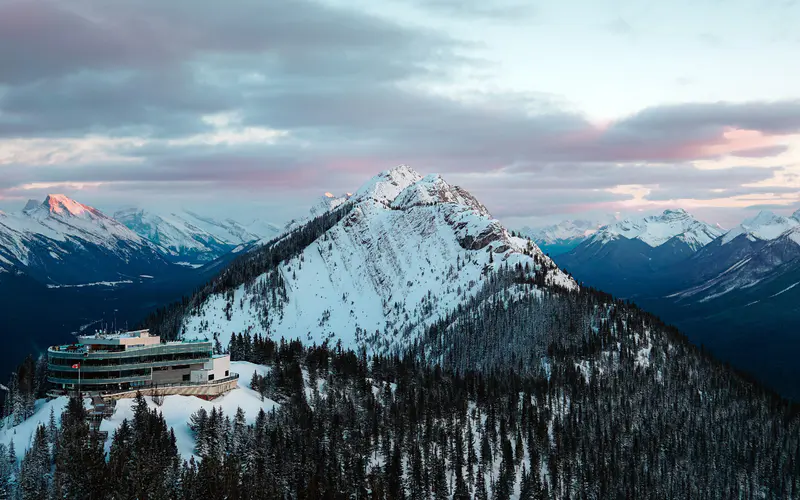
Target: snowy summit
pixel 655 230
pixel 764 226
pixel 410 249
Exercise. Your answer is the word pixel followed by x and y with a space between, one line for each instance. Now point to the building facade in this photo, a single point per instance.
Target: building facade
pixel 105 363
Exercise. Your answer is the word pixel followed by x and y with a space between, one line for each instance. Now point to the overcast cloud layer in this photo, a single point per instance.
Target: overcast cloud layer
pixel 252 108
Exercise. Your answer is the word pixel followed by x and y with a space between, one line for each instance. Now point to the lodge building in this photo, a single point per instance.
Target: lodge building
pixel 117 363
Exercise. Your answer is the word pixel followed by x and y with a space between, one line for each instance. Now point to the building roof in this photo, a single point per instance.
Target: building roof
pixel 118 335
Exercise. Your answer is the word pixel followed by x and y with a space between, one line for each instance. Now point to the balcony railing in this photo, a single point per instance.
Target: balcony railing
pixel 130 366
pixel 84 382
pixel 156 349
pixel 212 383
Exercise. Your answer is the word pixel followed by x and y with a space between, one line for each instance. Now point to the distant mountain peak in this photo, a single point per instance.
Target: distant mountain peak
pixel 655 230
pixel 63 205
pixel 675 213
pixel 191 237
pixel 765 226
pixel 31 205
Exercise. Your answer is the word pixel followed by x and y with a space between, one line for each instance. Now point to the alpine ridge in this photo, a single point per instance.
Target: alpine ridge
pixel 656 230
pixel 403 253
pixel 562 237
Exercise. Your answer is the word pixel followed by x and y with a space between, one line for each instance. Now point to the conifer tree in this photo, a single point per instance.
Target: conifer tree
pixel 34 472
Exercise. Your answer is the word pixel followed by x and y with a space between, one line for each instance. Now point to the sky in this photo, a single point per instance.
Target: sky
pixel 544 110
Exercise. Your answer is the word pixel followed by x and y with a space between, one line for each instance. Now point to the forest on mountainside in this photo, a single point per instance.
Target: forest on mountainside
pixel 390 428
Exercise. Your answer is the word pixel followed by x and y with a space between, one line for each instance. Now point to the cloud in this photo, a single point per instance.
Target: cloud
pixel 761 152
pixel 154 67
pixel 298 95
pixel 684 192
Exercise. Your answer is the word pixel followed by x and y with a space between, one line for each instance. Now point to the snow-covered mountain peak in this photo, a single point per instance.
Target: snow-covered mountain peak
pixel 63 205
pixel 65 241
pixel 764 217
pixel 378 272
pixel 59 216
pixel 655 230
pixel 568 232
pixel 675 213
pixel 433 189
pixel 387 185
pixel 764 226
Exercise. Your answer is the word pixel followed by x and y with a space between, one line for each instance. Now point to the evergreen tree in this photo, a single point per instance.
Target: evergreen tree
pixel 80 466
pixel 34 472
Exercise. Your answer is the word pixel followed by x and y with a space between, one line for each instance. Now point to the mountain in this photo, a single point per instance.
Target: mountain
pixel 189 238
pixel 564 236
pixel 618 256
pixel 63 242
pixel 402 252
pixel 405 331
pixel 656 230
pixel 765 226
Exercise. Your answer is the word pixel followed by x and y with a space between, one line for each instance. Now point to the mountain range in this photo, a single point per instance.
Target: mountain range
pixel 192 239
pixel 400 342
pixel 733 291
pixel 410 274
pixel 405 251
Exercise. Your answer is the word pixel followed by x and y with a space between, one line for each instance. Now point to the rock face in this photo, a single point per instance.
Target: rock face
pixel 410 250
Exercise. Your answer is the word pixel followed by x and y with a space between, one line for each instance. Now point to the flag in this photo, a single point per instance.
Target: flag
pixel 76 366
